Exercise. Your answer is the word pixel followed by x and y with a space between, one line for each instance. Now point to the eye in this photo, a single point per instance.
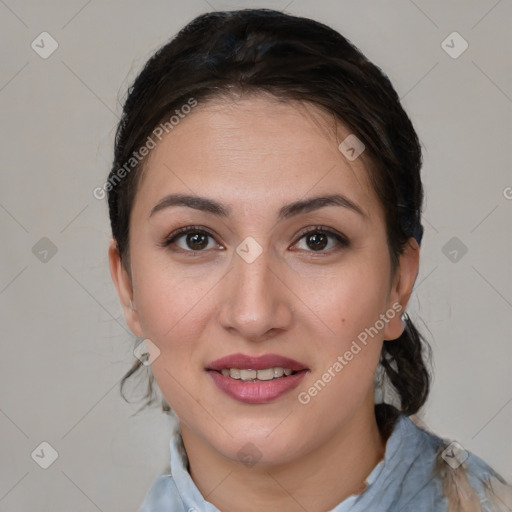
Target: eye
pixel 193 239
pixel 317 239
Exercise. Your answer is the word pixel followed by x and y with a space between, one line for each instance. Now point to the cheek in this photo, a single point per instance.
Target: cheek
pixel 172 305
pixel 349 300
pixel 349 304
pixel 173 308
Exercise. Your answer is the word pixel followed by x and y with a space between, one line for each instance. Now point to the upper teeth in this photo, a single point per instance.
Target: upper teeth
pixel 266 374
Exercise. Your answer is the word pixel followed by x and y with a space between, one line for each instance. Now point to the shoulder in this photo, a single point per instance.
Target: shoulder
pixel 467 482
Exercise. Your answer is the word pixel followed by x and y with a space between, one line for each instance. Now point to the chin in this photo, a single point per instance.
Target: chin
pixel 258 447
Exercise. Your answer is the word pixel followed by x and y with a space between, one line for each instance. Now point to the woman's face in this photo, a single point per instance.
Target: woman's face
pixel 248 281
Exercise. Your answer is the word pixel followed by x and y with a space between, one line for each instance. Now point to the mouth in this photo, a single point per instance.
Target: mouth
pixel 253 379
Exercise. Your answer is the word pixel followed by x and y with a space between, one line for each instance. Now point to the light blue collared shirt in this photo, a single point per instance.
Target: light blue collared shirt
pixel 401 482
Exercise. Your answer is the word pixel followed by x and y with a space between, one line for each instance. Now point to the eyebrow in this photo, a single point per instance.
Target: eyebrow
pixel 290 210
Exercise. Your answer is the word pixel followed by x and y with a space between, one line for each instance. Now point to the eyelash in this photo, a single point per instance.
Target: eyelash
pixel 342 240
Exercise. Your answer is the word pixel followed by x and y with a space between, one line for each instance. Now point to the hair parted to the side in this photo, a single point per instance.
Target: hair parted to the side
pixel 291 58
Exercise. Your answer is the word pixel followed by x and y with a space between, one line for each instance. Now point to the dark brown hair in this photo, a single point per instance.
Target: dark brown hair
pixel 291 58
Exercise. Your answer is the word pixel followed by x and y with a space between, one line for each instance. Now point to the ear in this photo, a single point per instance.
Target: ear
pixel 123 284
pixel 401 288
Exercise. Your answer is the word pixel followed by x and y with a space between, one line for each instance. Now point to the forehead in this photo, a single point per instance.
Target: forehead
pixel 255 151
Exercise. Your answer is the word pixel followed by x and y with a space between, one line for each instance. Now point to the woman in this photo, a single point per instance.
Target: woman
pixel 265 202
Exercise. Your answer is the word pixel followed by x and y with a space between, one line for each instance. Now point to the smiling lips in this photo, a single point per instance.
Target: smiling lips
pixel 256 379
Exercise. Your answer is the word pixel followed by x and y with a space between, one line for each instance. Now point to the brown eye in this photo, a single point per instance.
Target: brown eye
pixel 189 239
pixel 196 240
pixel 318 239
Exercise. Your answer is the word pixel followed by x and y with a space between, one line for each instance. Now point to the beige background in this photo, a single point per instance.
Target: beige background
pixel 65 345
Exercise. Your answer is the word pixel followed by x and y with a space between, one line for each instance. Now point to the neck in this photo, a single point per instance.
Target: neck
pixel 316 481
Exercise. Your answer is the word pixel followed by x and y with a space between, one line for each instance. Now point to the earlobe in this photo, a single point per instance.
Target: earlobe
pixel 123 284
pixel 402 287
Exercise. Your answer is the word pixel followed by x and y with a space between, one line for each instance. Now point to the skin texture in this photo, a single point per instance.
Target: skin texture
pixel 255 155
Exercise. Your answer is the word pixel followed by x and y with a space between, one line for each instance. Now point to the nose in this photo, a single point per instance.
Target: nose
pixel 256 303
